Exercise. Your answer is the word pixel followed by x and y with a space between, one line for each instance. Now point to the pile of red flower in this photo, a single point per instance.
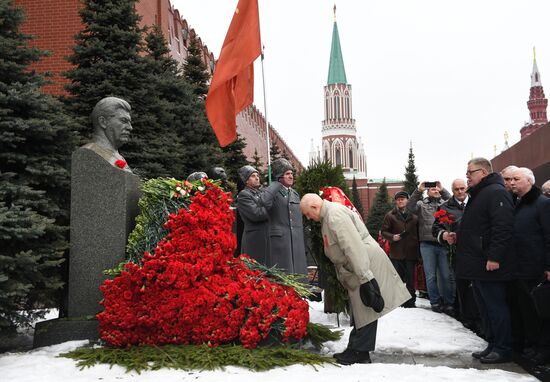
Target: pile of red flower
pixel 193 291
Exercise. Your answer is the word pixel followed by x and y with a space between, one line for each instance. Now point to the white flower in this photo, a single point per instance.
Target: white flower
pixel 201 188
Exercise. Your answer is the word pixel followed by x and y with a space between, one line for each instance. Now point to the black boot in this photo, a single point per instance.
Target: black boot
pixel 353 356
pixel 483 353
pixel 345 353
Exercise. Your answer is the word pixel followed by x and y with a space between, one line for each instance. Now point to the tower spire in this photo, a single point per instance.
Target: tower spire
pixel 336 70
pixel 537 102
pixel 535 74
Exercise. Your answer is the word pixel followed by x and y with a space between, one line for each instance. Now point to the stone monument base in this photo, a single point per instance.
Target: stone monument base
pixel 60 330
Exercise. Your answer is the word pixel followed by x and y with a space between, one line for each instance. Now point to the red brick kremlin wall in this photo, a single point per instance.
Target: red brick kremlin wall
pixel 54 23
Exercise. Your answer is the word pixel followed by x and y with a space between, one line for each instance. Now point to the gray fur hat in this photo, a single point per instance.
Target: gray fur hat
pixel 197 175
pixel 245 172
pixel 279 167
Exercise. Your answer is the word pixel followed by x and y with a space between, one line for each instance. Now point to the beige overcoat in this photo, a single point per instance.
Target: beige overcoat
pixel 358 258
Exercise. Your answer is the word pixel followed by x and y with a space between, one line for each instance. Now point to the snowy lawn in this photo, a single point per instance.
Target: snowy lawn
pixel 403 331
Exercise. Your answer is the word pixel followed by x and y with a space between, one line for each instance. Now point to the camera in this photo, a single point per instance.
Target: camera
pixel 430 184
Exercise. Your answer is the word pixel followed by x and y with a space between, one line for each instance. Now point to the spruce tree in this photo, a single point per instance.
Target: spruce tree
pixel 35 147
pixel 185 140
pixel 274 151
pixel 356 198
pixel 411 179
pixel 234 158
pixel 379 209
pixel 195 70
pixel 107 61
pixel 258 165
pixel 171 136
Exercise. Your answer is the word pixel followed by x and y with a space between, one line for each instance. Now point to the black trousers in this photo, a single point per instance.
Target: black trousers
pixel 528 329
pixel 363 339
pixel 495 314
pixel 406 270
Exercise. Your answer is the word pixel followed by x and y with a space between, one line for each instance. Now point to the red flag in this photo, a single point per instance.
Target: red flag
pixel 232 86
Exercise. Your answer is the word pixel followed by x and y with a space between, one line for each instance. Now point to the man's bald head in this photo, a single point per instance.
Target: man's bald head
pixel 310 205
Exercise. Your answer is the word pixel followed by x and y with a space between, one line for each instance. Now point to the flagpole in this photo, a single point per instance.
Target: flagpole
pixel 265 102
pixel 266 123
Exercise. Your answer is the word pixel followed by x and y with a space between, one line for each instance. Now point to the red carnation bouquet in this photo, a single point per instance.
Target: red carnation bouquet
pixel 448 221
pixel 192 290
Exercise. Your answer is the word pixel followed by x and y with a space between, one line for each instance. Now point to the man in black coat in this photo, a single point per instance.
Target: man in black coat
pixel 485 255
pixel 532 246
pixel 467 311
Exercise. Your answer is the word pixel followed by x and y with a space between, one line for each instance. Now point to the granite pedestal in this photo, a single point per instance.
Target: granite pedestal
pixel 104 205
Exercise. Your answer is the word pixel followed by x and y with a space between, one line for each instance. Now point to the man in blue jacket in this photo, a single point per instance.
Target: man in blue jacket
pixel 485 255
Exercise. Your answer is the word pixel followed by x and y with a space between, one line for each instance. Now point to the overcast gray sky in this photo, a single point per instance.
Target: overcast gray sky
pixel 450 76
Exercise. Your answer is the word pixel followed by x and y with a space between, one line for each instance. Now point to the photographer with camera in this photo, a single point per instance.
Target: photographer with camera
pixel 400 228
pixel 434 255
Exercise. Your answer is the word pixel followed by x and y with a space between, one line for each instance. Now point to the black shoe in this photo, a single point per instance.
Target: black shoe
pixel 449 310
pixel 354 357
pixel 494 357
pixel 528 353
pixel 345 353
pixel 409 304
pixel 436 308
pixel 541 357
pixel 482 353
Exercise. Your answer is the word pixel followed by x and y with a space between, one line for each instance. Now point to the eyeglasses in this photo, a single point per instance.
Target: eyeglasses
pixel 470 172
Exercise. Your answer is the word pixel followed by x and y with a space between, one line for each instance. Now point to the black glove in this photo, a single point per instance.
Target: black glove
pixel 371 296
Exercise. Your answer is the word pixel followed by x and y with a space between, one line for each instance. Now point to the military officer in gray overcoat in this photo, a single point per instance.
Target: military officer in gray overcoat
pixel 253 205
pixel 286 230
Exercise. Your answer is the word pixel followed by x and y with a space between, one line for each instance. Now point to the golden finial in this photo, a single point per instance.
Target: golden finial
pixel 506 136
pixel 534 52
pixel 334 12
pixel 494 150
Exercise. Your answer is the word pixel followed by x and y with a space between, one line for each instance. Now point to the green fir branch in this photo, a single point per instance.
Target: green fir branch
pixel 280 277
pixel 318 333
pixel 194 357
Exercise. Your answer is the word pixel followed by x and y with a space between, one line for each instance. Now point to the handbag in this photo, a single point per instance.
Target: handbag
pixel 541 298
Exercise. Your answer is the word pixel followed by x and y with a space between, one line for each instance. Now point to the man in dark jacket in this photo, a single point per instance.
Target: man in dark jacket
pixel 532 245
pixel 400 228
pixel 286 231
pixel 434 255
pixel 466 309
pixel 253 205
pixel 485 255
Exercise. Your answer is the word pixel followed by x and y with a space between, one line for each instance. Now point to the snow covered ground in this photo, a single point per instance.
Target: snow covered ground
pixel 417 332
